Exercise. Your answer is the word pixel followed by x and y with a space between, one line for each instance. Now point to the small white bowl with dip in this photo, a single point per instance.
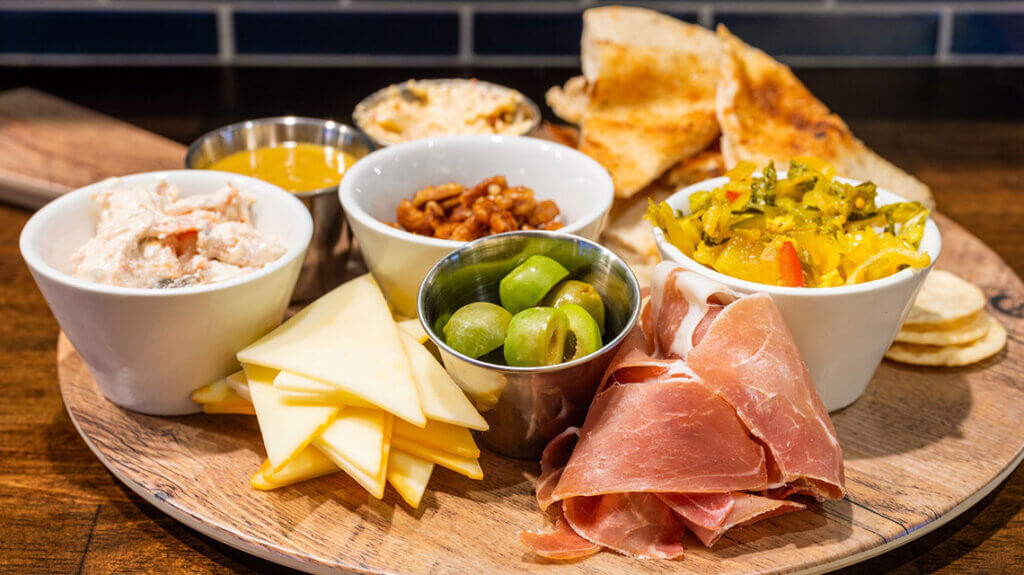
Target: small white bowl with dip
pixel 376 184
pixel 842 332
pixel 148 349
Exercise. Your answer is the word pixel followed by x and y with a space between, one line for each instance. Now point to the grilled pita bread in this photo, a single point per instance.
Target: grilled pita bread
pixel 653 82
pixel 569 102
pixel 765 113
pixel 629 235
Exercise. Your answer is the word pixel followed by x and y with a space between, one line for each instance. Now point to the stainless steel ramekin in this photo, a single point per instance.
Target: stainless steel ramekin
pixel 324 266
pixel 527 406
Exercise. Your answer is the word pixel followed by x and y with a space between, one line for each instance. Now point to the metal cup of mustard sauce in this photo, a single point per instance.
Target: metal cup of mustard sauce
pixel 324 266
pixel 528 406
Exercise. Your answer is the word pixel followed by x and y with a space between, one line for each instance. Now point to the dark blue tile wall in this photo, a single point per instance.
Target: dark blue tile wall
pixel 837 35
pixel 519 32
pixel 988 34
pixel 556 33
pixel 536 33
pixel 415 33
pixel 108 32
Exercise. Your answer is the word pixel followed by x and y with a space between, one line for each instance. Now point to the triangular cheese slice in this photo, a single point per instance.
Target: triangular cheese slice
pixel 298 389
pixel 462 465
pixel 358 435
pixel 346 338
pixel 443 436
pixel 237 382
pixel 238 406
pixel 414 328
pixel 308 464
pixel 409 476
pixel 440 397
pixel 215 392
pixel 286 428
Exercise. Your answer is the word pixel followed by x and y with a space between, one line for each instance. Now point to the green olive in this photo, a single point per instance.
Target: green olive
pixel 526 285
pixel 585 336
pixel 581 294
pixel 536 336
pixel 477 328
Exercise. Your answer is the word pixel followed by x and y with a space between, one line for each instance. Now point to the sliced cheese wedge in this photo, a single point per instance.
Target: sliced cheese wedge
pixel 237 382
pixel 308 464
pixel 346 338
pixel 286 428
pixel 409 476
pixel 298 389
pixel 358 435
pixel 215 392
pixel 443 436
pixel 414 328
pixel 440 397
pixel 239 407
pixel 462 465
pixel 358 443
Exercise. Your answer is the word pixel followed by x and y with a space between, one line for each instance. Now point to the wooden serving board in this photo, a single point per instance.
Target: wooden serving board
pixel 921 446
pixel 50 146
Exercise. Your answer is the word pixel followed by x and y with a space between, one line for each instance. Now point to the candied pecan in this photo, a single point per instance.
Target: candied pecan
pixel 552 226
pixel 545 212
pixel 434 214
pixel 445 231
pixel 503 222
pixel 459 214
pixel 413 220
pixel 483 209
pixel 436 193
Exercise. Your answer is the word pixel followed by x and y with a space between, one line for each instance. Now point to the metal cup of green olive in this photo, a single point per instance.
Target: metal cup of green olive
pixel 526 323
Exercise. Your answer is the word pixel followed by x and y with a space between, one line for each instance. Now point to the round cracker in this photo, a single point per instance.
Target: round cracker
pixel 945 298
pixel 951 355
pixel 972 328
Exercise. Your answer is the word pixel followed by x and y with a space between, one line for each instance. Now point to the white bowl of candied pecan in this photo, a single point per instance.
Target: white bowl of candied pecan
pixel 411 204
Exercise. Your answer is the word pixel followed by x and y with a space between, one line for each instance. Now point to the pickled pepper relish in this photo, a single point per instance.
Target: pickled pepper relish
pixel 804 230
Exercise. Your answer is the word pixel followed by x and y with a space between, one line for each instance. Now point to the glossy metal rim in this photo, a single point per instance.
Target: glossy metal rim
pixel 634 291
pixel 371 145
pixel 361 107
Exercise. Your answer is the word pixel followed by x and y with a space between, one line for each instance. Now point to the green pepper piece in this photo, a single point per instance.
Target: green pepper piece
pixel 477 328
pixel 527 285
pixel 581 294
pixel 536 336
pixel 586 336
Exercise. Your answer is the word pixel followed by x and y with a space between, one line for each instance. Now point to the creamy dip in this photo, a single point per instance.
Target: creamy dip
pixel 415 110
pixel 149 238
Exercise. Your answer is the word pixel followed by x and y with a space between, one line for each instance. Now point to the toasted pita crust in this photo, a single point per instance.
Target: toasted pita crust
pixel 629 235
pixel 653 83
pixel 765 114
pixel 569 102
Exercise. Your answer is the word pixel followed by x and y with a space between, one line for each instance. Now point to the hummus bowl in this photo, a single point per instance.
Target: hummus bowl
pixel 148 349
pixel 842 332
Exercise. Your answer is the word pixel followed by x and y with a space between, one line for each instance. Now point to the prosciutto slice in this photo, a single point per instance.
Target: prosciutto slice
pixel 706 420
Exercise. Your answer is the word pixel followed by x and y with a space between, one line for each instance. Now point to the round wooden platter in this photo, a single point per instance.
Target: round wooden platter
pixel 921 446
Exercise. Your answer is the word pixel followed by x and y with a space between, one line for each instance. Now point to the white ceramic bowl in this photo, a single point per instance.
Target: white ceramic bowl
pixel 842 332
pixel 149 349
pixel 372 189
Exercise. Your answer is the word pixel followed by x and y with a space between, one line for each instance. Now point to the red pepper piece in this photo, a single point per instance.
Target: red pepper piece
pixel 789 266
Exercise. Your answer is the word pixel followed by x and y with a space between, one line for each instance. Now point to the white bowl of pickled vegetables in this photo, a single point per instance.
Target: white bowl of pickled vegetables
pixel 842 259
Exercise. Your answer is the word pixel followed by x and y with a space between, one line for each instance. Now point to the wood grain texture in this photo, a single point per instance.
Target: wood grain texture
pixel 920 443
pixel 61 511
pixel 48 147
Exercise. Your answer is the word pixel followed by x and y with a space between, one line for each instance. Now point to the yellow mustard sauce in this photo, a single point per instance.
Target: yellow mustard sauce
pixel 296 167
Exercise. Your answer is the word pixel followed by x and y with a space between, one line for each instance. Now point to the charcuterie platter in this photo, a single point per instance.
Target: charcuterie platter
pixel 920 446
pixel 650 339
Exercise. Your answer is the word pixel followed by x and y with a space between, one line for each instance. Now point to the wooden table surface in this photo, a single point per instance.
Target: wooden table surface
pixel 62 512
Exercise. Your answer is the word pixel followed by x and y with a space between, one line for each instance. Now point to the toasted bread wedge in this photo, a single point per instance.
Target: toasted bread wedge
pixel 766 113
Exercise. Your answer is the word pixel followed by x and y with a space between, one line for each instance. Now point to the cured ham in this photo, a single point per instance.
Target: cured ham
pixel 706 420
